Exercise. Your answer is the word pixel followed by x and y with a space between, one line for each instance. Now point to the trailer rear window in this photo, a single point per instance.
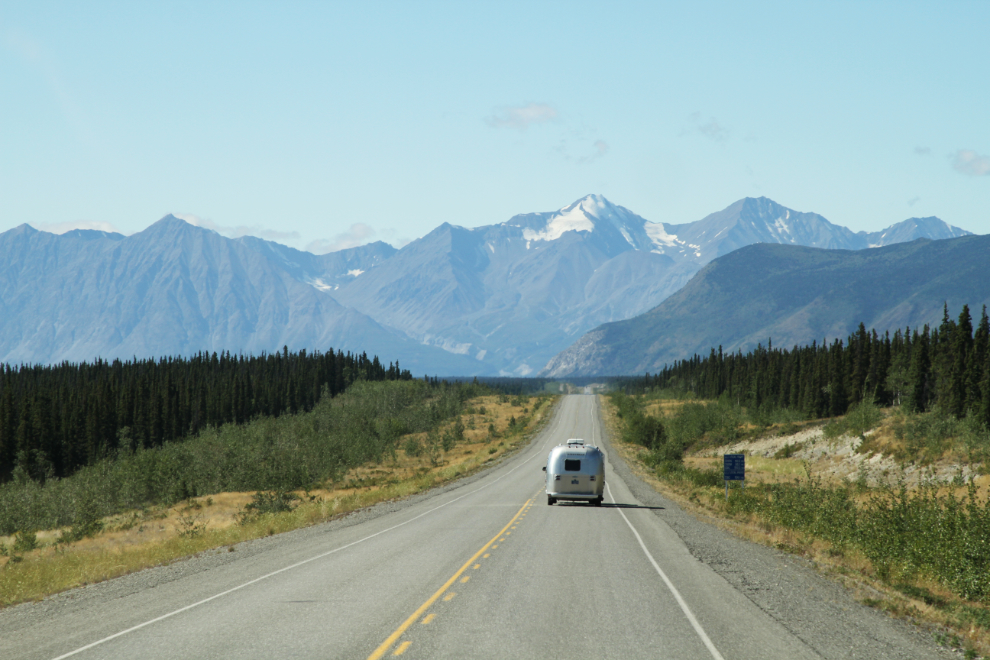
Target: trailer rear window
pixel 572 465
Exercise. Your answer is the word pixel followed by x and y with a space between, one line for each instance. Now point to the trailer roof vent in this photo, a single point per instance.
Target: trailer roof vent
pixel 575 442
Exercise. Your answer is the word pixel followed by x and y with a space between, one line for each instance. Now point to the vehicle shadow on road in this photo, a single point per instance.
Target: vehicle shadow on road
pixel 621 505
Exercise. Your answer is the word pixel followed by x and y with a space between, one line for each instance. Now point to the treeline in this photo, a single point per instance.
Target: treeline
pixel 56 419
pixel 288 452
pixel 947 367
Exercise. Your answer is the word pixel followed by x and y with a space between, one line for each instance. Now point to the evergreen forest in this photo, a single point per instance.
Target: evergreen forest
pixel 945 368
pixel 57 419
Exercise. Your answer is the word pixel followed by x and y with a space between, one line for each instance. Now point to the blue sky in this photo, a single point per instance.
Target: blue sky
pixel 323 125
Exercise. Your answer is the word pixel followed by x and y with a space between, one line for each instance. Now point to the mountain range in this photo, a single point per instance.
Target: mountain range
pixel 175 289
pixel 789 295
pixel 497 299
pixel 514 295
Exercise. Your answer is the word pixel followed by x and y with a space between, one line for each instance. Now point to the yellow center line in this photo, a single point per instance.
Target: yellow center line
pixel 428 618
pixel 476 566
pixel 494 546
pixel 486 555
pixel 394 637
pixel 450 595
pixel 465 578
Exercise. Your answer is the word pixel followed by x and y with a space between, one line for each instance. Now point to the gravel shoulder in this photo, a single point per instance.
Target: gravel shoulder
pixel 820 611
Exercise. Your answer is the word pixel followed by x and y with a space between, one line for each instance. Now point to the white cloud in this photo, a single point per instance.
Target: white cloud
pixel 358 234
pixel 569 148
pixel 239 230
pixel 710 128
pixel 521 117
pixel 969 162
pixel 62 227
pixel 600 149
pixel 392 236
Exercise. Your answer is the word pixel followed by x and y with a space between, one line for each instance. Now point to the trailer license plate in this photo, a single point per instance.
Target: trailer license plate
pixel 574 481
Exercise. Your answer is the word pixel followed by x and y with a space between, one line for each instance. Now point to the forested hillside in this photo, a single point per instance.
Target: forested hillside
pixel 947 367
pixel 791 293
pixel 56 419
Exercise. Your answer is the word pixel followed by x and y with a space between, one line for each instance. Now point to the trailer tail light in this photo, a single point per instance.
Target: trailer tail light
pixel 592 477
pixel 557 478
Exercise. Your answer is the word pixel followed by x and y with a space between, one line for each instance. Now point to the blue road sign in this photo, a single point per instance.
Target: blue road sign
pixel 734 467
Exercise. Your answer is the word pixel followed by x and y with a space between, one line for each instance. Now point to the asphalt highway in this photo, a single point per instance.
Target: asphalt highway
pixel 480 569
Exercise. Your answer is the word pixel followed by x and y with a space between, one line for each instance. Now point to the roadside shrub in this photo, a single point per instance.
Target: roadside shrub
pixel 272 502
pixel 449 440
pixel 624 405
pixel 862 417
pixel 412 447
pixel 788 450
pixel 25 541
pixel 644 430
pixel 433 447
pixel 714 422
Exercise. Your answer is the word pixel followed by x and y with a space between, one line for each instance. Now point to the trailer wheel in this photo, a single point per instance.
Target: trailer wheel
pixel 598 502
pixel 550 501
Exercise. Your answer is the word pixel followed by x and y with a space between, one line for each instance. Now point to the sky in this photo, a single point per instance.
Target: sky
pixel 324 125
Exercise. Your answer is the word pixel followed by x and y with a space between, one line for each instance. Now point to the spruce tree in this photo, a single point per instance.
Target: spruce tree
pixel 919 375
pixel 957 357
pixel 985 387
pixel 975 389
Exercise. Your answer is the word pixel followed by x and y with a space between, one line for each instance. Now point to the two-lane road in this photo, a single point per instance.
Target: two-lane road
pixel 484 569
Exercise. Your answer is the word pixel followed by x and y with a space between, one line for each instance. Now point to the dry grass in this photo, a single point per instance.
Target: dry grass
pixel 152 537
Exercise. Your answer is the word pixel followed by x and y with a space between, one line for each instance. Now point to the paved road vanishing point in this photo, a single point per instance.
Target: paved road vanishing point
pixel 483 568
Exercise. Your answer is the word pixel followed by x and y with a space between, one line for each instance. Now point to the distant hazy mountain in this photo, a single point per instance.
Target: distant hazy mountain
pixel 175 289
pixel 326 272
pixel 762 220
pixel 912 229
pixel 498 299
pixel 793 295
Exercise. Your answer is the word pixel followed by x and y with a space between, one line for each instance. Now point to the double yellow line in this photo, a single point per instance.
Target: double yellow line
pixel 394 637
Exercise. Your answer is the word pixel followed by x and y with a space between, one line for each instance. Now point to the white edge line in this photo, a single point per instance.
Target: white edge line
pixel 282 570
pixel 670 585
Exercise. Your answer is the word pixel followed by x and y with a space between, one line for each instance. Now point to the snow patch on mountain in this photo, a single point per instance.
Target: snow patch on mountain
pixel 659 236
pixel 449 345
pixel 780 224
pixel 571 218
pixel 318 283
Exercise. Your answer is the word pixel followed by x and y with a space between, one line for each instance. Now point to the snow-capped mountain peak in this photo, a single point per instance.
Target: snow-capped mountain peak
pixel 576 217
pixel 594 213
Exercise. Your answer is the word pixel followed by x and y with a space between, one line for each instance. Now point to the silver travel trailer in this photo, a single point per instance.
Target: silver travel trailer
pixel 575 471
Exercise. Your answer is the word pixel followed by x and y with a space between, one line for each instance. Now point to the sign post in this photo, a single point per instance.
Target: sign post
pixel 733 469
